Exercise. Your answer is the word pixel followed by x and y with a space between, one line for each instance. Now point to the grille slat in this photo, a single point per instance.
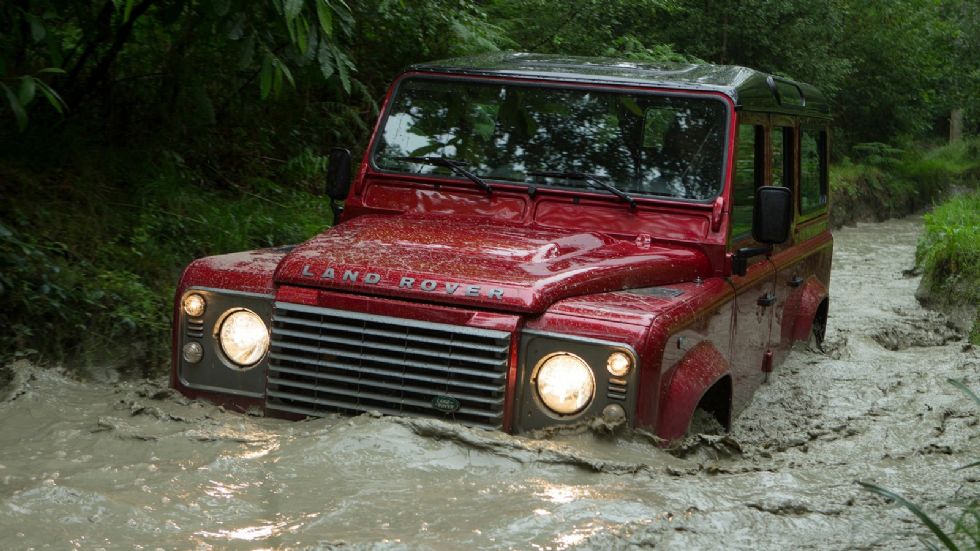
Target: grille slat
pixel 381 348
pixel 335 353
pixel 382 398
pixel 325 360
pixel 306 371
pixel 370 384
pixel 358 331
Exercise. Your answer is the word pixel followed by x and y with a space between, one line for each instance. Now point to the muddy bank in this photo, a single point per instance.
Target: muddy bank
pixel 875 192
pixel 131 465
pixel 876 202
pixel 961 314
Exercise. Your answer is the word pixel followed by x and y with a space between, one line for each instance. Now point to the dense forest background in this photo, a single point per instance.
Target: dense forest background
pixel 136 135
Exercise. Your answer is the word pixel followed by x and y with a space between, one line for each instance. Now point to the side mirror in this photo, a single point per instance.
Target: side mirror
pixel 772 215
pixel 771 219
pixel 338 174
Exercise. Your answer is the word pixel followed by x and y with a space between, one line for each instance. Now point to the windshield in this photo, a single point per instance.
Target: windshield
pixel 641 143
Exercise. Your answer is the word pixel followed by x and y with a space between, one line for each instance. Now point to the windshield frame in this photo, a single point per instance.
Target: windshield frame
pixel 502 184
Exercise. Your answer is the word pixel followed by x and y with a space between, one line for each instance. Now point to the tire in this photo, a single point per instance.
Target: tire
pixel 818 330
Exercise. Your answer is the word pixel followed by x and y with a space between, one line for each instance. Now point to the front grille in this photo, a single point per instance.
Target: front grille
pixel 325 360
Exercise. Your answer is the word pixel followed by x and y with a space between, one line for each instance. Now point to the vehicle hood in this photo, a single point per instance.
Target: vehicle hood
pixel 481 263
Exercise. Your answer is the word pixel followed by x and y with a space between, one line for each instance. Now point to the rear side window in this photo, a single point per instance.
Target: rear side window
pixel 813 170
pixel 782 156
pixel 748 175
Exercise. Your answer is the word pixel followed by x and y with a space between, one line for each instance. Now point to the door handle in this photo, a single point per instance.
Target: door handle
pixel 767 299
pixel 795 282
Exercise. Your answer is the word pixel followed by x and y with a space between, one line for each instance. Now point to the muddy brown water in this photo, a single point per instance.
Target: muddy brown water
pixel 86 464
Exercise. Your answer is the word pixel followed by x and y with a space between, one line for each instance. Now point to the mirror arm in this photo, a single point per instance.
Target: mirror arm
pixel 740 258
pixel 338 180
pixel 337 208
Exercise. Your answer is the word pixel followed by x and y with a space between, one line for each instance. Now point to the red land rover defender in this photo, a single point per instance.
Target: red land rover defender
pixel 533 241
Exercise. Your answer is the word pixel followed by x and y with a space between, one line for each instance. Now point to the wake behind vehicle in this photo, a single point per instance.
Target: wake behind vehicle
pixel 533 241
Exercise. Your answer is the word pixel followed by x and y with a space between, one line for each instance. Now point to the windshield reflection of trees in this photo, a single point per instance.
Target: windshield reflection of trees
pixel 644 144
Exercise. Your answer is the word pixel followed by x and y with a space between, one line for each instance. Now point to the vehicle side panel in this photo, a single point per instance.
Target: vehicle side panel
pixel 802 283
pixel 752 323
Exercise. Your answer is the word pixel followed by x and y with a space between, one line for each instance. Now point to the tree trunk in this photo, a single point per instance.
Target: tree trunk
pixel 724 35
pixel 956 125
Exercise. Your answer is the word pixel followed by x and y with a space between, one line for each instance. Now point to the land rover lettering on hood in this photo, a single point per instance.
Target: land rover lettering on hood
pixel 532 241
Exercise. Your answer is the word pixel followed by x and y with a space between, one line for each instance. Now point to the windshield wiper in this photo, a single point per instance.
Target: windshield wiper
pixel 455 166
pixel 595 180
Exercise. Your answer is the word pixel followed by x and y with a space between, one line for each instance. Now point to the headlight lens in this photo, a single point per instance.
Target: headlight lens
pixel 194 305
pixel 565 383
pixel 244 337
pixel 619 364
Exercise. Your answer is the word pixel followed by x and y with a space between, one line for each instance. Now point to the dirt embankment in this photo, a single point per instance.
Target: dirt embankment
pixel 127 464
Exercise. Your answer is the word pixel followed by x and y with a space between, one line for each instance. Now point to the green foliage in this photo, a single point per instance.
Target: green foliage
pixel 891 91
pixel 619 28
pixel 962 79
pixel 949 253
pixel 797 38
pixel 899 181
pixel 308 168
pixel 54 301
pixel 876 154
pixel 398 33
pixel 189 63
pixel 21 95
pixel 86 271
pixel 195 53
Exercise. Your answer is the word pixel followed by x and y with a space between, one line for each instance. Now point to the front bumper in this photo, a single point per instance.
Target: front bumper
pixel 342 354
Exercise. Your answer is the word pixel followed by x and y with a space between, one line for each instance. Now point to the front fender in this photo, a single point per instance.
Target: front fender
pixel 685 384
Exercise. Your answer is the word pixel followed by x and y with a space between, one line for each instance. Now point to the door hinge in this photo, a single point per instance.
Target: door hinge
pixel 767 299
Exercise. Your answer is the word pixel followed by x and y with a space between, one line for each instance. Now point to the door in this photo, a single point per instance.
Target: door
pixel 783 166
pixel 754 292
pixel 807 255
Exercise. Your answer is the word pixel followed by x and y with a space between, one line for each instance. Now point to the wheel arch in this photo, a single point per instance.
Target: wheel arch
pixel 813 309
pixel 702 377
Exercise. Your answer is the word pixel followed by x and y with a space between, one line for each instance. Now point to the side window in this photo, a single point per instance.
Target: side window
pixel 782 156
pixel 813 170
pixel 747 177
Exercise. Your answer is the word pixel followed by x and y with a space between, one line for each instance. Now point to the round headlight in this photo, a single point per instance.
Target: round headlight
pixel 619 364
pixel 565 383
pixel 194 305
pixel 244 337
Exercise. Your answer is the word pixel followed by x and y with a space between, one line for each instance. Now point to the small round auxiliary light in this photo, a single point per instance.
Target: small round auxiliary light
pixel 614 413
pixel 194 305
pixel 619 364
pixel 193 352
